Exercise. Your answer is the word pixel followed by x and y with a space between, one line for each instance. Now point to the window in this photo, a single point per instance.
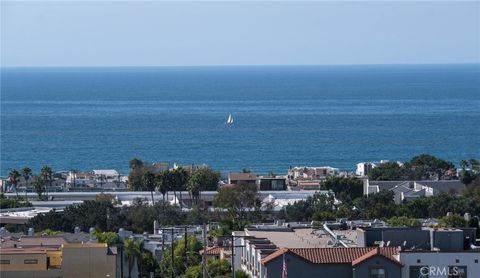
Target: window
pixel 378 273
pixel 31 261
pixel 418 271
pixel 4 261
pixel 476 261
pixel 457 271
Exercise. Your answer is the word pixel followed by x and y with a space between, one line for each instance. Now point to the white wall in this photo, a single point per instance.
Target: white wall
pixel 441 259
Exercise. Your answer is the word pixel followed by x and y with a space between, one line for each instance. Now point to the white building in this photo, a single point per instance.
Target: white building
pixel 440 263
pixel 364 167
pixel 313 173
pixel 96 178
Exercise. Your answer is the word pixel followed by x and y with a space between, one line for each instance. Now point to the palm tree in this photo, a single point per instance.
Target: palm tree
pixel 26 173
pixel 161 184
pixel 150 183
pixel 133 250
pixel 14 177
pixel 179 179
pixel 47 173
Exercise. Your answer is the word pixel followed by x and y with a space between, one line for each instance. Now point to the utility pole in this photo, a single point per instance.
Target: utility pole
pixel 233 255
pixel 204 258
pixel 186 246
pixel 163 240
pixel 173 272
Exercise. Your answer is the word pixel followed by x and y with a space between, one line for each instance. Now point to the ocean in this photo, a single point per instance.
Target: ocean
pixel 100 118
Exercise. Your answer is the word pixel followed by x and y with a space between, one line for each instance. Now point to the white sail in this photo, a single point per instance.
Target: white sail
pixel 230 119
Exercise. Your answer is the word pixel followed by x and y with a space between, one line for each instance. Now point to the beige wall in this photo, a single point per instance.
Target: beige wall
pixel 79 261
pixel 75 260
pixel 17 262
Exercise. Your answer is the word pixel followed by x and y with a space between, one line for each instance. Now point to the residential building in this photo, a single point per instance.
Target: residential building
pixel 363 168
pixel 373 262
pixel 271 183
pixel 410 190
pixel 441 264
pixel 54 256
pixel 242 178
pixel 312 173
pixel 104 179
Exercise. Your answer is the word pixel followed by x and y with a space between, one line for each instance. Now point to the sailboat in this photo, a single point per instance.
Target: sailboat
pixel 230 120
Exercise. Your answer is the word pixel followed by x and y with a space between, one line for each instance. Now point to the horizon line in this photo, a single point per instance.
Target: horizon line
pixel 235 65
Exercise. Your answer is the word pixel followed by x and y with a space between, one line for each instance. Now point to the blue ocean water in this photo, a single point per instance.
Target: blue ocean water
pixel 94 118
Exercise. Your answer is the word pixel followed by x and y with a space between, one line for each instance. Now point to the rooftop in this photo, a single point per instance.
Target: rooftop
pixel 354 255
pixel 302 237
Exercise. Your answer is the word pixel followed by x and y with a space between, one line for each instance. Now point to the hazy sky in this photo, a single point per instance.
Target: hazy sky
pixel 154 33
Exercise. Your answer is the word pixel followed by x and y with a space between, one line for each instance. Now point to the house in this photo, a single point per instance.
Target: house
pixel 54 256
pixel 312 173
pixel 362 262
pixel 213 253
pixel 105 179
pixel 363 168
pixel 242 178
pixel 410 190
pixel 271 183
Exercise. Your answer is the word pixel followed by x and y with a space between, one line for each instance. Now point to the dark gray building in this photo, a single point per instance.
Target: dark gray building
pixel 364 262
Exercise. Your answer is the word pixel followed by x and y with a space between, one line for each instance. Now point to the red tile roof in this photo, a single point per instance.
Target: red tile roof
pixel 215 250
pixel 352 255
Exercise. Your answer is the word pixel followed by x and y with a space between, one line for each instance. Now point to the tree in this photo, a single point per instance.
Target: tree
pixel 236 199
pixel 427 166
pixel 162 181
pixel 470 171
pixel 453 221
pixel 26 173
pixel 403 221
pixel 203 179
pixel 133 252
pixel 47 174
pixel 110 238
pixel 378 205
pixel 179 178
pixel 14 177
pixel 149 181
pixel 241 274
pixel 420 167
pixel 389 171
pixel 218 268
pixel 39 186
pixel 345 188
pixel 180 262
pixel 135 164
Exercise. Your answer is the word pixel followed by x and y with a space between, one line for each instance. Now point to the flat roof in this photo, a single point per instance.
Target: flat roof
pixel 303 237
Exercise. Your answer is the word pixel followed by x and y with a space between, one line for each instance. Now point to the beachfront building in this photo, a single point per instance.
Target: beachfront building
pixel 102 179
pixel 363 168
pixel 242 178
pixel 409 190
pixel 309 178
pixel 312 173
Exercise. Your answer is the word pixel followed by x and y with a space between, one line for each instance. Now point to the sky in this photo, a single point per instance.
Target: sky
pixel 160 33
